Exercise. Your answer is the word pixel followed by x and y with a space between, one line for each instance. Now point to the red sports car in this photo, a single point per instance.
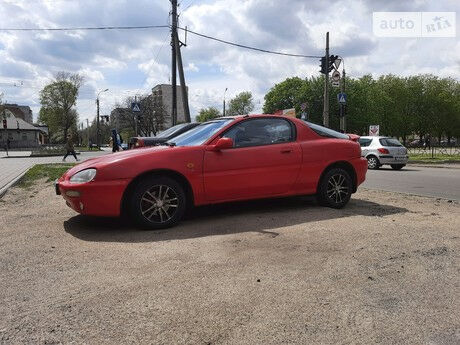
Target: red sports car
pixel 226 159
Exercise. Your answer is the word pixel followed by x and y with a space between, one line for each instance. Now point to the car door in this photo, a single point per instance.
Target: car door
pixel 264 161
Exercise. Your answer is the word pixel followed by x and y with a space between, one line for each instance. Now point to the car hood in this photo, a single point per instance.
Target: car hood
pixel 115 158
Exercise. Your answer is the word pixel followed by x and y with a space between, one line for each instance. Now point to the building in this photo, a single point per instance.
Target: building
pixel 19 133
pixel 162 94
pixel 20 112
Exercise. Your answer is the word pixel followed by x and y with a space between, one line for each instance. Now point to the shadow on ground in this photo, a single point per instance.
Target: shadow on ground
pixel 397 171
pixel 261 216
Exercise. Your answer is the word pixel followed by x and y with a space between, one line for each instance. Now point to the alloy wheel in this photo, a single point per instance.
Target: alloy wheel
pixel 337 188
pixel 159 204
pixel 372 163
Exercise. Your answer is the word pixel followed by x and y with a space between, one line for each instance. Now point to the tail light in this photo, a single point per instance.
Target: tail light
pixel 384 151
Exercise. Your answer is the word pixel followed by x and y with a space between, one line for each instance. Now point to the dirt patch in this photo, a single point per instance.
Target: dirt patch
pixel 385 269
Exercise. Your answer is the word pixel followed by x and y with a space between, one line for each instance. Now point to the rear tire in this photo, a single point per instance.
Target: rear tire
pixel 373 162
pixel 157 202
pixel 397 166
pixel 335 188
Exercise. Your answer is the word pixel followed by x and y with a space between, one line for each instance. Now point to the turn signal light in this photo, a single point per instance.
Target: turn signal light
pixel 384 151
pixel 72 193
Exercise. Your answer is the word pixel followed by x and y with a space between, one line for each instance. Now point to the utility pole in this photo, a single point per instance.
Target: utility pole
pixel 135 117
pixel 87 130
pixel 173 61
pixel 97 123
pixel 326 86
pixel 223 112
pixel 97 118
pixel 182 80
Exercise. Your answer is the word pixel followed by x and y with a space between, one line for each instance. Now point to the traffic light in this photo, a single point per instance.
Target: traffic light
pixel 323 65
pixel 342 110
pixel 331 61
pixel 4 124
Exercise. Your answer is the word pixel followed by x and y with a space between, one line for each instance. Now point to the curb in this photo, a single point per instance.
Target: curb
pixel 13 182
pixel 436 165
pixel 40 156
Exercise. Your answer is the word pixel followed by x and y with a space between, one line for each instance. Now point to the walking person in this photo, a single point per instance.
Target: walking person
pixel 115 141
pixel 70 148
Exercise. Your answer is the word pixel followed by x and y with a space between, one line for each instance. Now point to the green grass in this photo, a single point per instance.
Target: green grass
pixel 426 158
pixel 49 171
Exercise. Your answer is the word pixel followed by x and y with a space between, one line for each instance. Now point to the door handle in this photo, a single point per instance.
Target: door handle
pixel 286 151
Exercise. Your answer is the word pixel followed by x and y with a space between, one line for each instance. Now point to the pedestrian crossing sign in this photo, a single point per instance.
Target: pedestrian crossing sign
pixel 135 107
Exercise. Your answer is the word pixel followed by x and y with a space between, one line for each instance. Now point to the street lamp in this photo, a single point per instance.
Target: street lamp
pixel 97 118
pixel 223 112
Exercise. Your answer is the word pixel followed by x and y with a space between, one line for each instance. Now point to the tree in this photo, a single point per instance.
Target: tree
pixel 240 105
pixel 208 114
pixel 57 101
pixel 284 95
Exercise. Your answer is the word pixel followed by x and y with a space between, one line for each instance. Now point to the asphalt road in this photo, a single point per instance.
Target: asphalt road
pixel 435 182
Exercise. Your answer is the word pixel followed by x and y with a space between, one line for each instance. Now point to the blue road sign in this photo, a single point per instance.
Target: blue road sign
pixel 342 98
pixel 136 107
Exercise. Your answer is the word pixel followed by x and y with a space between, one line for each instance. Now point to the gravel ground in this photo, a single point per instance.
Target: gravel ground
pixel 384 270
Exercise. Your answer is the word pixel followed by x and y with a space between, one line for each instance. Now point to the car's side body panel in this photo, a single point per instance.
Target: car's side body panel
pixel 251 172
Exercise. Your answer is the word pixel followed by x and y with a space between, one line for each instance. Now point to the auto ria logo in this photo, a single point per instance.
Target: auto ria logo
pixel 414 24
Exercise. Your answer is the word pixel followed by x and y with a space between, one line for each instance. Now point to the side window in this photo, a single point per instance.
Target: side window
pixel 364 142
pixel 256 132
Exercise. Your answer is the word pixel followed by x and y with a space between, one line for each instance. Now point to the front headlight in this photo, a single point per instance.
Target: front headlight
pixel 83 176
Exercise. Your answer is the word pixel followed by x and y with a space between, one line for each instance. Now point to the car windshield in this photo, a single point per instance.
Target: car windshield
pixel 171 130
pixel 390 142
pixel 326 132
pixel 199 134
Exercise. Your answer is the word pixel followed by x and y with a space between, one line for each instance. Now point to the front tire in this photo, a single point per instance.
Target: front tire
pixel 335 188
pixel 373 162
pixel 157 202
pixel 397 166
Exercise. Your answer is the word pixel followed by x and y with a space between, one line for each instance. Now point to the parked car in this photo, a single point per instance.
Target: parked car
pixel 136 142
pixel 383 150
pixel 226 159
pixel 445 142
pixel 416 143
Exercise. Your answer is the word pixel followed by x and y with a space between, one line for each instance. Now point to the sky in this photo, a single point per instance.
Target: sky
pixel 133 61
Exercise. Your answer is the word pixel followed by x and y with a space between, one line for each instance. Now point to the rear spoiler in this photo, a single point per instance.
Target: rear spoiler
pixel 353 137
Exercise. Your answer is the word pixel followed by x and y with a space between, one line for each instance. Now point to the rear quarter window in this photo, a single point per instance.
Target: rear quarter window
pixel 390 142
pixel 364 142
pixel 326 132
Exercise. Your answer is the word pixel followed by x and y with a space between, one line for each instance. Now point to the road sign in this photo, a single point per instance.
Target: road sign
pixel 336 83
pixel 374 130
pixel 136 107
pixel 335 76
pixel 342 98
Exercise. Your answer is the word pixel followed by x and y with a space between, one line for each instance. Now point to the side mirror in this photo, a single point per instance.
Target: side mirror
pixel 222 144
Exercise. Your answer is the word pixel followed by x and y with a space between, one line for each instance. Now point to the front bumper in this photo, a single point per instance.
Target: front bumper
pixel 389 159
pixel 96 198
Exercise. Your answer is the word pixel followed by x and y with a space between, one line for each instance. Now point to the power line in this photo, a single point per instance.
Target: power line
pixel 247 47
pixel 163 26
pixel 88 28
